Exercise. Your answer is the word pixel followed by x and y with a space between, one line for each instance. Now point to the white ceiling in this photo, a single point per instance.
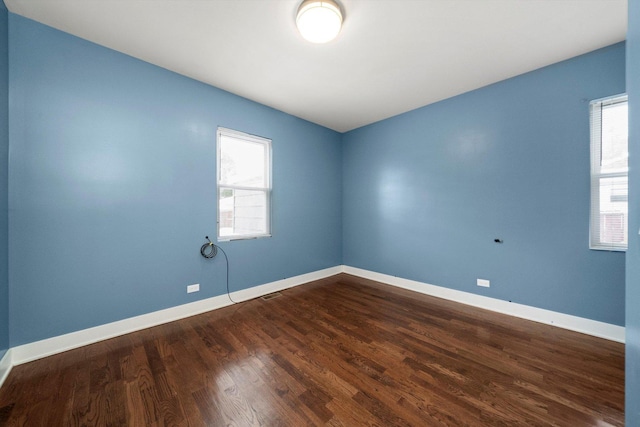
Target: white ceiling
pixel 391 56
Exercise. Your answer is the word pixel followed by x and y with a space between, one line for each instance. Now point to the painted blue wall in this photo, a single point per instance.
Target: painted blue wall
pixel 425 193
pixel 112 187
pixel 4 184
pixel 632 383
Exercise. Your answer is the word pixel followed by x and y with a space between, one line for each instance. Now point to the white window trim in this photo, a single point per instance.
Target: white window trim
pixel 267 189
pixel 596 175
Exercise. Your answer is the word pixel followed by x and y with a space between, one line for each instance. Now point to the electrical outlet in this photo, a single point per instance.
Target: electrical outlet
pixel 484 283
pixel 193 288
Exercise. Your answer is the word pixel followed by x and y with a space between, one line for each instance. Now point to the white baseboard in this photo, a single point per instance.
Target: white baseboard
pixel 5 366
pixel 39 349
pixel 36 350
pixel 258 291
pixel 561 320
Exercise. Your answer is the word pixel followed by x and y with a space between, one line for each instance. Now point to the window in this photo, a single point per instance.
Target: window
pixel 244 185
pixel 609 170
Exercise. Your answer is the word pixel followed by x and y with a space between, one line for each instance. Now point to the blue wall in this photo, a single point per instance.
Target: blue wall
pixel 425 193
pixel 112 187
pixel 4 185
pixel 632 394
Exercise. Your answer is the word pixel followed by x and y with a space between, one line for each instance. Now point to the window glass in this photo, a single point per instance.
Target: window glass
pixel 244 185
pixel 609 169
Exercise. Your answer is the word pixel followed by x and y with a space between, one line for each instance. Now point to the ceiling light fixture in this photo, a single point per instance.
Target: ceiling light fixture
pixel 319 21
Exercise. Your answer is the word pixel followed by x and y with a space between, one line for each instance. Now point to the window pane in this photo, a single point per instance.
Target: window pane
pixel 614 156
pixel 242 212
pixel 613 210
pixel 242 162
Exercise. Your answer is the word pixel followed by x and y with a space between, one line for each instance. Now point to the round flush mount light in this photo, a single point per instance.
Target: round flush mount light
pixel 319 21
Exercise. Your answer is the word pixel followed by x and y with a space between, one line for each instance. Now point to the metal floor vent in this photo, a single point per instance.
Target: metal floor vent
pixel 271 296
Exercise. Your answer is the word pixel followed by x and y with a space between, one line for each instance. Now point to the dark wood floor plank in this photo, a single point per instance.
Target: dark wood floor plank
pixel 342 351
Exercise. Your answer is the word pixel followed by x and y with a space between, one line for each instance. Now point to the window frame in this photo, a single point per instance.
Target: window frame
pixel 220 186
pixel 596 174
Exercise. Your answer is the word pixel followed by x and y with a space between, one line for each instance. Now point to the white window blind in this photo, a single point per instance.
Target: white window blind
pixel 609 174
pixel 244 185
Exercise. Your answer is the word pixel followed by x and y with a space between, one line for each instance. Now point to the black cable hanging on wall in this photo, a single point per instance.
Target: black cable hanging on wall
pixel 209 251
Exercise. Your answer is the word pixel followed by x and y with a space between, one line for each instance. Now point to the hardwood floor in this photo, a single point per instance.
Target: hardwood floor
pixel 342 351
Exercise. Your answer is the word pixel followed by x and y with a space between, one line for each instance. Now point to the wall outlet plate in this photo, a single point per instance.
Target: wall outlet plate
pixel 193 288
pixel 484 283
